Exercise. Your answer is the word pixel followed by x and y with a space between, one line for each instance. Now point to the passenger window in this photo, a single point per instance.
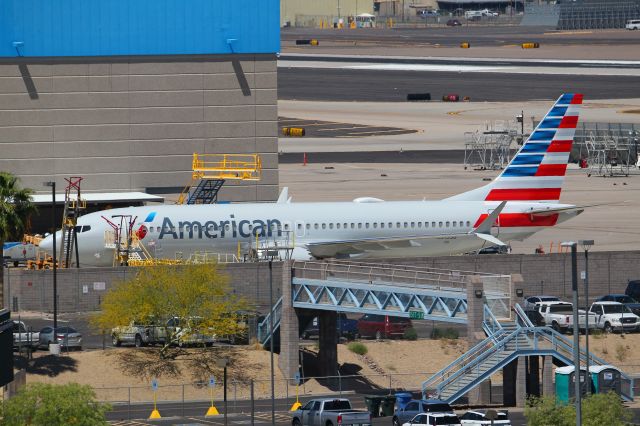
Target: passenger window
pixel 433 224
pixel 337 226
pixel 413 224
pixel 440 224
pixel 390 224
pixel 426 224
pixel 299 226
pixel 366 225
pixel 419 224
pixel 353 225
pixel 455 223
pixel 331 226
pixel 375 224
pixel 448 224
pixel 308 226
pixel 406 224
pixel 315 225
pixel 344 225
pixel 359 226
pixel 397 224
pixel 468 223
pixel 382 225
pixel 286 226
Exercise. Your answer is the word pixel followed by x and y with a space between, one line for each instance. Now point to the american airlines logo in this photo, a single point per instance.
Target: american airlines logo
pixel 222 229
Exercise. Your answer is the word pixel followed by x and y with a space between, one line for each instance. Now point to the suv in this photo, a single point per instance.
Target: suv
pixel 435 419
pixel 418 406
pixel 611 316
pixel 633 24
pixel 383 326
pixel 633 289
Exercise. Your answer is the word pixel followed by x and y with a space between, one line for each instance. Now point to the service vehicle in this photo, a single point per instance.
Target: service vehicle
pixel 633 24
pixel 486 417
pixel 440 419
pixel 559 316
pixel 152 334
pixel 136 334
pixel 329 412
pixel 24 337
pixel 614 316
pixel 419 406
pixel 17 253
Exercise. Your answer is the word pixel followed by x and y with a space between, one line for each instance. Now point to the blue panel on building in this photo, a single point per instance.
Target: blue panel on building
pixel 138 27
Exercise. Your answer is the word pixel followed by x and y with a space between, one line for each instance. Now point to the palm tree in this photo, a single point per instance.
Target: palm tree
pixel 16 207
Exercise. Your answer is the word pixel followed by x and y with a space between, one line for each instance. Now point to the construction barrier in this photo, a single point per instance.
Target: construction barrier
pixel 465 45
pixel 419 96
pixel 530 45
pixel 293 131
pixel 311 41
pixel 450 98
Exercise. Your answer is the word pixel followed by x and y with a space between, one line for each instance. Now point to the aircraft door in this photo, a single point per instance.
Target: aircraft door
pixel 299 229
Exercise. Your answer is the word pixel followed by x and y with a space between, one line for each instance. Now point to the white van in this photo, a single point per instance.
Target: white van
pixel 633 24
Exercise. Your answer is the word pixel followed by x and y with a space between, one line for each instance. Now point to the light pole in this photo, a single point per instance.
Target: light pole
pixel 586 245
pixel 52 184
pixel 271 314
pixel 223 363
pixel 576 329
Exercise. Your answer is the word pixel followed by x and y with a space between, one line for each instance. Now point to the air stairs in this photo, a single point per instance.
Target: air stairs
pixel 206 192
pixel 505 342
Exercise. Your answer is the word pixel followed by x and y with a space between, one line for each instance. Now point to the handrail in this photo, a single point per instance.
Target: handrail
pixel 264 325
pixel 490 322
pixel 522 315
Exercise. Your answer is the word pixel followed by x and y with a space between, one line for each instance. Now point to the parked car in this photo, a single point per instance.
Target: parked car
pixel 419 406
pixel 614 316
pixel 530 302
pixel 453 23
pixel 633 24
pixel 67 337
pixel 479 418
pixel 559 316
pixel 633 289
pixel 23 337
pixel 134 333
pixel 444 419
pixel 627 301
pixel 329 412
pixel 383 326
pixel 345 327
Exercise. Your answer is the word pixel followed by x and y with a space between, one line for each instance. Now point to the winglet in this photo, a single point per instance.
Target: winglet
pixel 284 196
pixel 485 225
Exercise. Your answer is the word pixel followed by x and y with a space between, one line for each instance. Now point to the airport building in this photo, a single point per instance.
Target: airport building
pixel 124 93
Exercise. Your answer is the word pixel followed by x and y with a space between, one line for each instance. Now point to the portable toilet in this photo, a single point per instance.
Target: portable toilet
pixel 606 378
pixel 565 383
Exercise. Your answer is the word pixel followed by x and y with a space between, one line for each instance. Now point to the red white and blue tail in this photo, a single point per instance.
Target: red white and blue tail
pixel 536 172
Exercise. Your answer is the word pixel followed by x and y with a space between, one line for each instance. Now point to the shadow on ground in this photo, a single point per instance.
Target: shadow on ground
pixel 47 365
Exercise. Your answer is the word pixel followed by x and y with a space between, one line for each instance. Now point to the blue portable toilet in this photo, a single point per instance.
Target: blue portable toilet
pixel 402 399
pixel 565 383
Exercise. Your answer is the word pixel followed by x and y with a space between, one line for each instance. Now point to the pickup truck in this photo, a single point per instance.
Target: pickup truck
pixel 22 337
pixel 142 334
pixel 329 412
pixel 559 316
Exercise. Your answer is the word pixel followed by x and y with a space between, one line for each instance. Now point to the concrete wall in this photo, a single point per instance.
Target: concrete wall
pixel 302 10
pixel 81 290
pixel 542 274
pixel 134 123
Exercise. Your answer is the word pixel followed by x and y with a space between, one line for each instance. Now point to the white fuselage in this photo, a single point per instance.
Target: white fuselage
pixel 229 228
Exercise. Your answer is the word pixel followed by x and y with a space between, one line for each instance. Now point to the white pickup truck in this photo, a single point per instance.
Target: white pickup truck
pixel 330 412
pixel 559 316
pixel 22 337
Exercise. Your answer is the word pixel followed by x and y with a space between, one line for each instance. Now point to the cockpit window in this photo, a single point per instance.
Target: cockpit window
pixel 80 229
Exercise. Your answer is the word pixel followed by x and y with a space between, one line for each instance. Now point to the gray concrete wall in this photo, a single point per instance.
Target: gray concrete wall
pixel 80 290
pixel 134 123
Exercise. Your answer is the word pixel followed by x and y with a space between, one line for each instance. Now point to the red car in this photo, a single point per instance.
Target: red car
pixel 382 326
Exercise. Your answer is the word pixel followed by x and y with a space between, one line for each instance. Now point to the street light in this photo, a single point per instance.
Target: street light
pixel 223 363
pixel 52 184
pixel 576 329
pixel 586 245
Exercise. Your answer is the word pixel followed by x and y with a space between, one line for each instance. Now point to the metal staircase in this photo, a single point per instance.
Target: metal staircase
pixel 506 341
pixel 264 332
pixel 206 192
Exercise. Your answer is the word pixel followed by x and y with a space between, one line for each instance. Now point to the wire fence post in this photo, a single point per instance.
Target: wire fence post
pixel 183 400
pixel 253 407
pixel 235 396
pixel 129 403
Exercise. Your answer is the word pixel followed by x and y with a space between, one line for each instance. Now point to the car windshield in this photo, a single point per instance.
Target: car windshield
pixel 616 309
pixel 561 309
pixel 337 404
pixel 549 299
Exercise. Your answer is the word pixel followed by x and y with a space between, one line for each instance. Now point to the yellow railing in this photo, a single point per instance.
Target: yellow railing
pixel 227 166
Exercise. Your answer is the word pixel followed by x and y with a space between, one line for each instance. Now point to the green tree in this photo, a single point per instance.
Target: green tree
pixel 15 209
pixel 52 405
pixel 598 409
pixel 198 297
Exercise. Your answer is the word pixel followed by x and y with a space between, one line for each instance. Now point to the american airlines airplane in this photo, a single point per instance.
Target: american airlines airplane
pixel 521 201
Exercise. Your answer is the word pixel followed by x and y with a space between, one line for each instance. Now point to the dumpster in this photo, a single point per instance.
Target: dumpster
pixel 606 378
pixel 403 398
pixel 373 403
pixel 388 405
pixel 565 383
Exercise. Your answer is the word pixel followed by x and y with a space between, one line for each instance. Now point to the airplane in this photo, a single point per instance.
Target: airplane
pixel 522 200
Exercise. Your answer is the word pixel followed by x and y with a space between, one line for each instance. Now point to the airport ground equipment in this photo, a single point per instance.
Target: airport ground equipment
pixel 597 14
pixel 490 149
pixel 210 171
pixel 610 155
pixel 74 205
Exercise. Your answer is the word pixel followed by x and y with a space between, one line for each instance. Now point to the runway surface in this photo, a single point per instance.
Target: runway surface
pixel 335 84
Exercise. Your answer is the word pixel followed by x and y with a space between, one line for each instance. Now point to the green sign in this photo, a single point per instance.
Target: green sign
pixel 416 315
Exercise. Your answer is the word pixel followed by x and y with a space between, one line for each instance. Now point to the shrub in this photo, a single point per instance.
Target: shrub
pixel 598 409
pixel 410 334
pixel 358 348
pixel 621 352
pixel 447 333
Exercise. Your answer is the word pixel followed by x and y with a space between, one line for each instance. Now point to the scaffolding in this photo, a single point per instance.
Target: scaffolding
pixel 276 247
pixel 597 15
pixel 609 155
pixel 210 171
pixel 74 205
pixel 491 149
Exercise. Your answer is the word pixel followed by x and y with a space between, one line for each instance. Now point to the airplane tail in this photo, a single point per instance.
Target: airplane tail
pixel 536 172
